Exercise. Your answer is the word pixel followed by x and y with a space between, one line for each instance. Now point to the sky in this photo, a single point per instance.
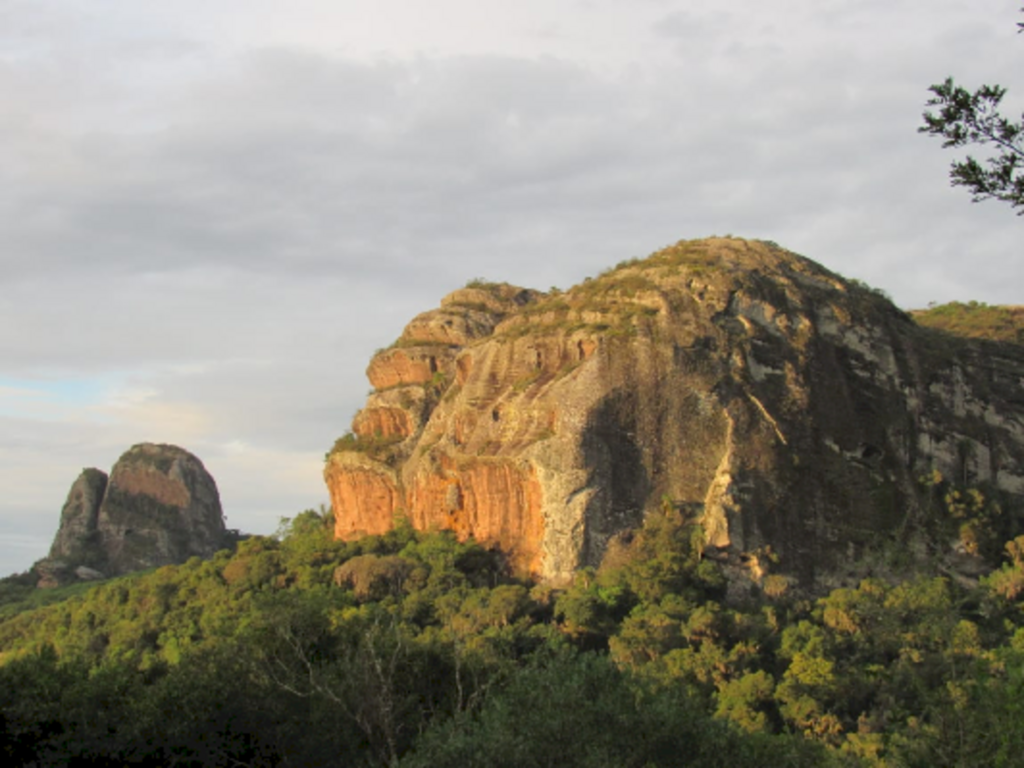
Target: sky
pixel 212 213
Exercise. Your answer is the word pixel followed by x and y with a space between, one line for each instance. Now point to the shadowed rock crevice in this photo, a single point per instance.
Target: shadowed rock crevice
pixel 617 472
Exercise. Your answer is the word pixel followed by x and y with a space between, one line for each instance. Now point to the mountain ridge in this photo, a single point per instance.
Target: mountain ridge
pixel 788 410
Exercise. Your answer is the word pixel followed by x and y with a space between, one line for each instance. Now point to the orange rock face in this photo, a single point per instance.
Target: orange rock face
pixel 494 501
pixel 366 499
pixel 383 423
pixel 395 367
pixel 464 425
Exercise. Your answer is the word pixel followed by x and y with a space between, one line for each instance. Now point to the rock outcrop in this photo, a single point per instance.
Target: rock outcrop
pixel 78 538
pixel 159 506
pixel 800 418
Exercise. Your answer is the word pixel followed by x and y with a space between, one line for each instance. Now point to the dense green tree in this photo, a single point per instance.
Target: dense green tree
pixel 571 711
pixel 417 649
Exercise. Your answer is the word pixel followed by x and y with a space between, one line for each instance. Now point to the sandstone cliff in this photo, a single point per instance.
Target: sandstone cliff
pixel 801 418
pixel 159 506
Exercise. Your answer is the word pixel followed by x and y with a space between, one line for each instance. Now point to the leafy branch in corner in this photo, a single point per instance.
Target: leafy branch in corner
pixel 964 118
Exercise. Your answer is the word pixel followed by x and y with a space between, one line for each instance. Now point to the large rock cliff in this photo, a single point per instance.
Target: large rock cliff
pixel 159 506
pixel 800 418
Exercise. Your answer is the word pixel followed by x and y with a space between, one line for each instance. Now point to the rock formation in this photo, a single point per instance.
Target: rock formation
pixel 159 507
pixel 77 539
pixel 800 418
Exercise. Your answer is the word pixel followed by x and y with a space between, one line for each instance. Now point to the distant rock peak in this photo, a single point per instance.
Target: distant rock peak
pixel 158 506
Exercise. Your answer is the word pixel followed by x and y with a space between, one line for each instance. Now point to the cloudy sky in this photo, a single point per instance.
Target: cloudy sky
pixel 213 212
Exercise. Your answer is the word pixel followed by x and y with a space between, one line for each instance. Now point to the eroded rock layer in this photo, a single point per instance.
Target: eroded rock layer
pixel 792 413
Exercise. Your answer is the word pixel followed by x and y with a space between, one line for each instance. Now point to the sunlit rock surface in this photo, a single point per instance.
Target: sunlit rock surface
pixel 790 412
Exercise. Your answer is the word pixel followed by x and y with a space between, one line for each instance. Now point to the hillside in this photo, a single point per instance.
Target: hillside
pixel 808 425
pixel 414 649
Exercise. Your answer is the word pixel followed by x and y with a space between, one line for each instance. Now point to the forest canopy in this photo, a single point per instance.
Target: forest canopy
pixel 416 649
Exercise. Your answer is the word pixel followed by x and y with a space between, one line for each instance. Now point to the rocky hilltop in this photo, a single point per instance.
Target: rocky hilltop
pixel 803 420
pixel 159 506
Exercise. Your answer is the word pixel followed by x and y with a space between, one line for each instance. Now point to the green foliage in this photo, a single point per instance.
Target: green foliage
pixel 969 514
pixel 592 609
pixel 869 290
pixel 964 118
pixel 200 712
pixel 18 593
pixel 376 446
pixel 581 711
pixel 418 649
pixel 748 701
pixel 258 645
pixel 668 559
pixel 975 319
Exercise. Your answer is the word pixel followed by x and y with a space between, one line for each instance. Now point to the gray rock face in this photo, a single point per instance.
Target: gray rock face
pixel 159 506
pixel 77 538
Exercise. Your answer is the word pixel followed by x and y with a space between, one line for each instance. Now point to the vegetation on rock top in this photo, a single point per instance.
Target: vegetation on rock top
pixel 975 320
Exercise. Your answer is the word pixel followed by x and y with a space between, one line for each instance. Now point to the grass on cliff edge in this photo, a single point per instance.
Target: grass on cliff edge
pixel 975 320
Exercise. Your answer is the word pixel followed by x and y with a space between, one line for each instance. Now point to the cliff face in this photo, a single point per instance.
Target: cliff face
pixel 792 413
pixel 159 506
pixel 78 537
